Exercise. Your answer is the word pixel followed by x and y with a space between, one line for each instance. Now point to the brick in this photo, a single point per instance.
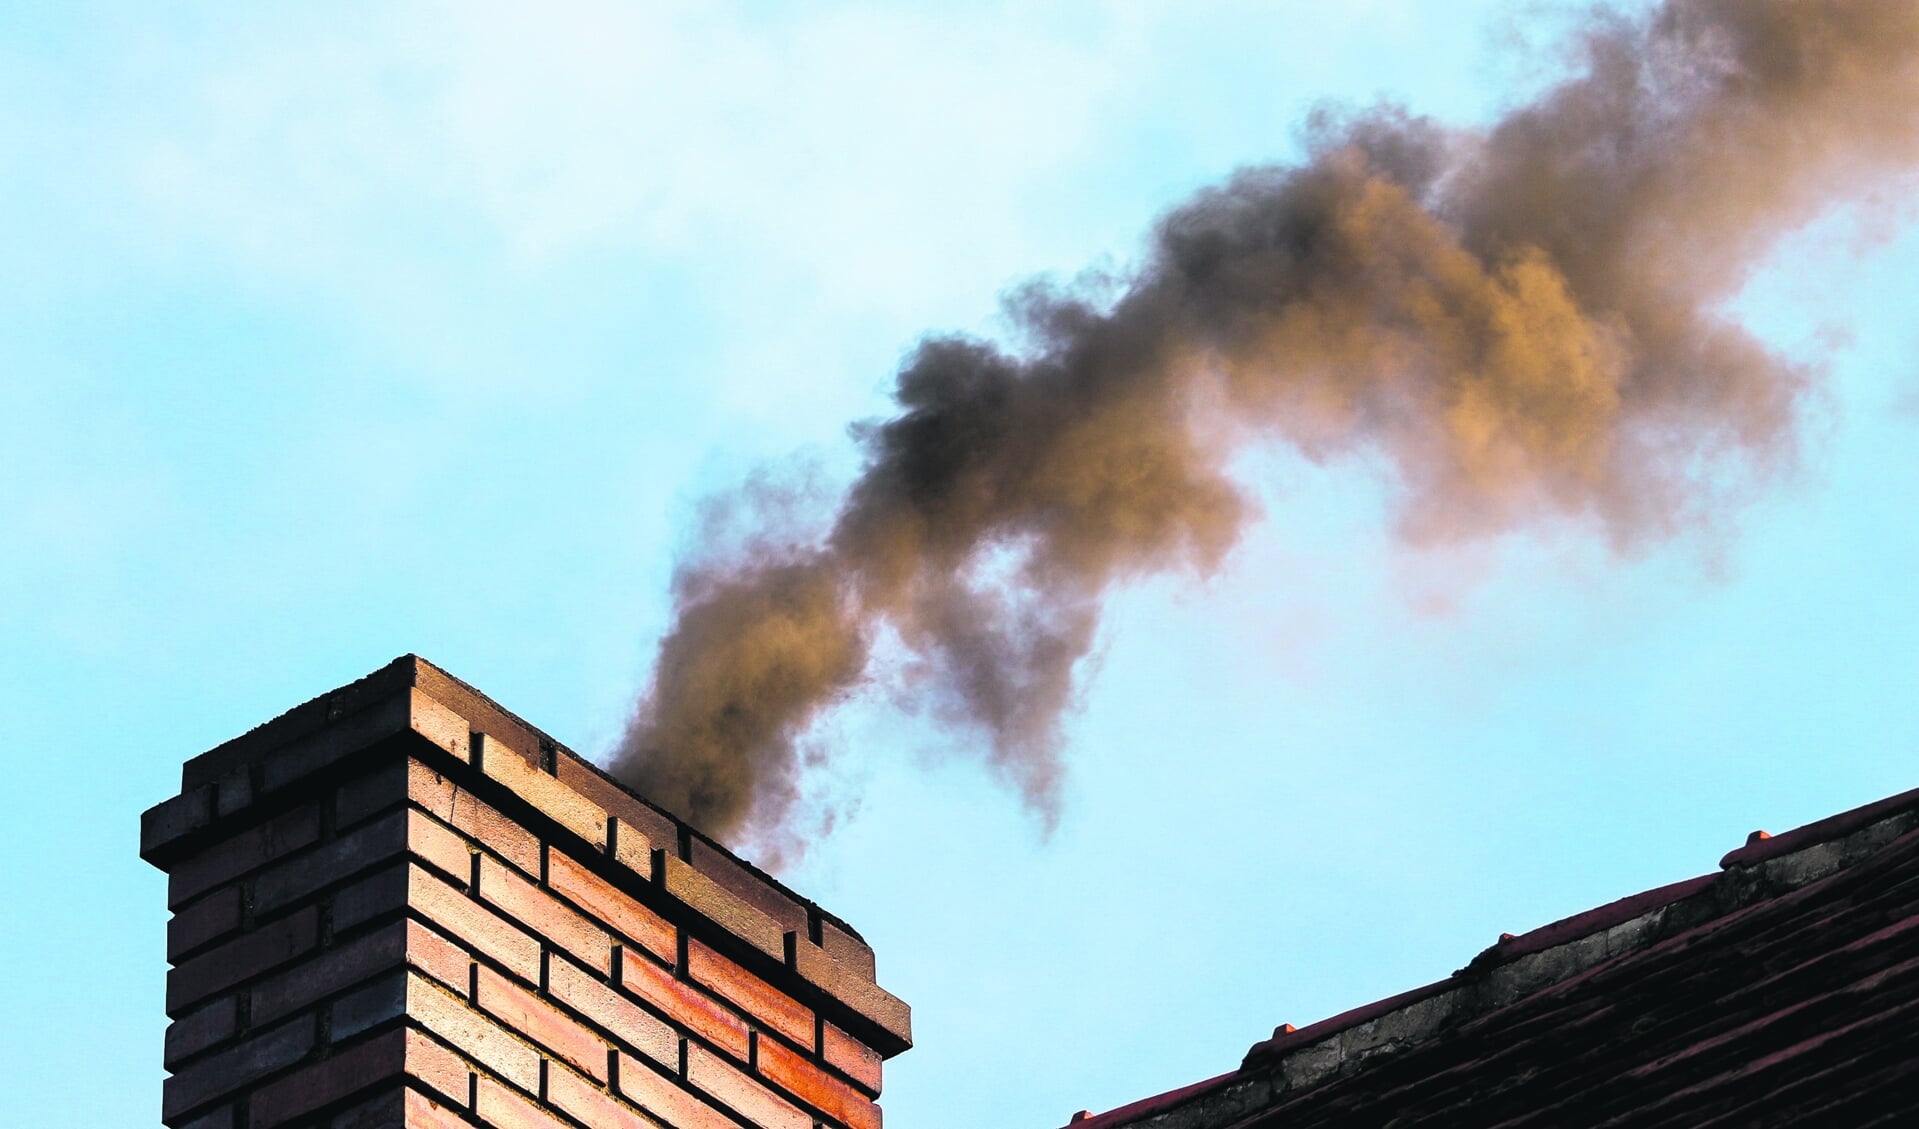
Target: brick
pixel 343 736
pixel 743 1095
pixel 166 823
pixel 595 895
pixel 200 1029
pixel 541 1022
pixel 717 904
pixel 688 1006
pixel 423 1112
pixel 249 850
pixel 749 885
pixel 636 814
pixel 474 1035
pixel 849 950
pixel 551 798
pixel 851 1057
pixel 221 1074
pixel 241 959
pixel 612 1012
pixel 233 792
pixel 334 970
pixel 545 916
pixel 837 1100
pixel 360 1067
pixel 203 922
pixel 501 1108
pixel 224 1117
pixel 473 925
pixel 367 1007
pixel 329 863
pixel 457 808
pixel 755 996
pixel 384 787
pixel 386 1110
pixel 568 1091
pixel 858 992
pixel 437 957
pixel 381 893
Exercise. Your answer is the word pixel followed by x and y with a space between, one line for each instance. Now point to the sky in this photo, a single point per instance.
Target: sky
pixel 335 332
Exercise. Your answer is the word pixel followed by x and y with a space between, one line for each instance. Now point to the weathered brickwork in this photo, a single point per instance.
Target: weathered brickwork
pixel 399 905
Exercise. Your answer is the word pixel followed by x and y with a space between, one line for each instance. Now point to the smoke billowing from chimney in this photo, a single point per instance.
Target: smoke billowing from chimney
pixel 1522 324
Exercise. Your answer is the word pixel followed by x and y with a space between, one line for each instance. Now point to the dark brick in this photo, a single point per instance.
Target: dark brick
pixel 201 1028
pixel 220 1074
pixel 368 1007
pixel 376 895
pixel 345 735
pixel 689 1007
pixel 225 1117
pixel 813 1086
pixel 163 825
pixel 385 1110
pixel 250 849
pixel 330 1080
pixel 383 788
pixel 740 1093
pixel 753 995
pixel 612 1012
pixel 633 921
pixel 203 922
pixel 545 916
pixel 337 969
pixel 335 861
pixel 241 959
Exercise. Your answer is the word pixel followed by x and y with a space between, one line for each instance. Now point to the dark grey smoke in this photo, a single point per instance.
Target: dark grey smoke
pixel 1523 323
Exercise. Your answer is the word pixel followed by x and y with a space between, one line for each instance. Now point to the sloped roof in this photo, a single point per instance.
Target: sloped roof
pixel 1782 989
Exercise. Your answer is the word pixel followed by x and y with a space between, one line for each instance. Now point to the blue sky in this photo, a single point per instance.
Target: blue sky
pixel 336 332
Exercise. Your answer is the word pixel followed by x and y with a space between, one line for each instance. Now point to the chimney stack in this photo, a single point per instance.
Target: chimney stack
pixel 398 905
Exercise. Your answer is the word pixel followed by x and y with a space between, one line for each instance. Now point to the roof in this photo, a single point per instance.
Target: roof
pixel 1783 987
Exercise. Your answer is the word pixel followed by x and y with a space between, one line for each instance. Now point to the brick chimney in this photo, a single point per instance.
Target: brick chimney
pixel 400 905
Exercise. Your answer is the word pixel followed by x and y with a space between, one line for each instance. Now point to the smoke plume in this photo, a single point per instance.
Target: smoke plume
pixel 1522 324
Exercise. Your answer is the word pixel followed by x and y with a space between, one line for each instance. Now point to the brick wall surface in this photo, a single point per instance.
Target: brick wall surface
pixel 399 905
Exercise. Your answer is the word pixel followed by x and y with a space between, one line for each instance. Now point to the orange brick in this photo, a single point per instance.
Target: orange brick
pixel 423 1112
pixel 851 1057
pixel 598 897
pixel 760 1106
pixel 456 807
pixel 473 1034
pixel 592 1105
pixel 501 1108
pixel 432 841
pixel 473 924
pixel 666 1099
pixel 815 1087
pixel 759 999
pixel 612 1012
pixel 437 957
pixel 540 1022
pixel 545 916
pixel 551 798
pixel 688 1006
